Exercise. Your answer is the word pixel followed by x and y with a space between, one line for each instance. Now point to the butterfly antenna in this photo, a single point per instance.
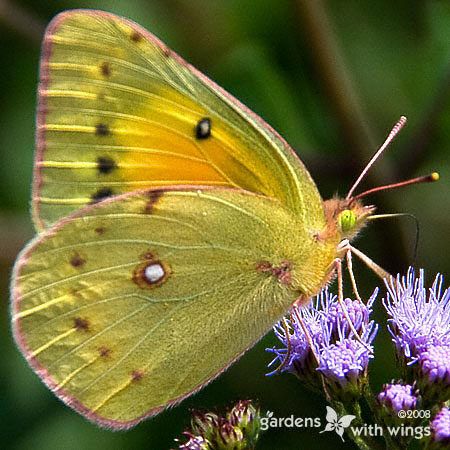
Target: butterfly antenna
pixel 423 179
pixel 397 127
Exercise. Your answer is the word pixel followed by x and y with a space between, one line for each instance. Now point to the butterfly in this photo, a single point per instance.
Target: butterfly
pixel 336 423
pixel 175 226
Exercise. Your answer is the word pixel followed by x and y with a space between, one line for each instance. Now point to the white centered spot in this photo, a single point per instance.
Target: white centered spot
pixel 154 272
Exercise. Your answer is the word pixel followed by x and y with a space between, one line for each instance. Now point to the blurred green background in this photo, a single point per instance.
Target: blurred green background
pixel 332 77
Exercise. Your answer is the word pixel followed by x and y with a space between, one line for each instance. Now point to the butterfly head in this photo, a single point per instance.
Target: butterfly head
pixel 346 216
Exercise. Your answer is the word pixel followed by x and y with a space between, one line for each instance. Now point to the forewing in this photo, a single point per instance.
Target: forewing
pixel 118 345
pixel 119 111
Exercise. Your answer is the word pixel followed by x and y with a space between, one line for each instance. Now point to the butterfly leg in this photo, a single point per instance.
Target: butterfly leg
pixel 344 248
pixel 372 265
pixel 298 304
pixel 288 347
pixel 306 332
pixel 338 264
pixel 313 350
pixel 348 256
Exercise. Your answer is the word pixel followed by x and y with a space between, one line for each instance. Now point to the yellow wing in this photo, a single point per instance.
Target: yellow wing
pixel 134 303
pixel 119 111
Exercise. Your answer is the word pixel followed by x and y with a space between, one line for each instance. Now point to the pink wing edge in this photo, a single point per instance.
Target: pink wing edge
pixel 44 80
pixel 43 373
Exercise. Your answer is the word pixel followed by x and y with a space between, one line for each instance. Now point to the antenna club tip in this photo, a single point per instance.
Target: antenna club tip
pixel 434 176
pixel 403 119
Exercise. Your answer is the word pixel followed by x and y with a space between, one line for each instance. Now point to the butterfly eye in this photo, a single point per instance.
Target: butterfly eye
pixel 347 220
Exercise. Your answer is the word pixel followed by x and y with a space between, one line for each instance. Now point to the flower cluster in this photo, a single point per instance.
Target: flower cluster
pixel 319 340
pixel 238 430
pixel 328 345
pixel 419 323
pixel 397 397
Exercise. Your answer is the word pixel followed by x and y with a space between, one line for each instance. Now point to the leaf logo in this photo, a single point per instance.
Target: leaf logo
pixel 269 414
pixel 337 424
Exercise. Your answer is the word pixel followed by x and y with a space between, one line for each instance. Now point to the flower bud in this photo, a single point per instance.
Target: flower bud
pixel 440 431
pixel 246 416
pixel 434 373
pixel 205 424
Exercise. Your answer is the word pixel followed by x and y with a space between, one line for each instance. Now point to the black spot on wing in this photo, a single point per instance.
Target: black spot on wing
pixel 135 36
pixel 203 128
pixel 137 375
pixel 104 352
pixel 105 69
pixel 101 194
pixel 105 164
pixel 77 261
pixel 100 230
pixel 101 129
pixel 81 324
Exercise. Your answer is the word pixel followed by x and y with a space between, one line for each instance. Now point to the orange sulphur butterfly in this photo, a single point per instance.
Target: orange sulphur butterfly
pixel 173 223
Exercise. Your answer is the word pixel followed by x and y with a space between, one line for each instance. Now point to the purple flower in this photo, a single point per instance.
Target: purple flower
pixel 195 443
pixel 291 334
pixel 346 359
pixel 341 358
pixel 434 372
pixel 420 327
pixel 397 397
pixel 417 320
pixel 435 363
pixel 440 427
pixel 358 313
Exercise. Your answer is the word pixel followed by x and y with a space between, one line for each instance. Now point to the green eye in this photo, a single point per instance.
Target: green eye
pixel 347 220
